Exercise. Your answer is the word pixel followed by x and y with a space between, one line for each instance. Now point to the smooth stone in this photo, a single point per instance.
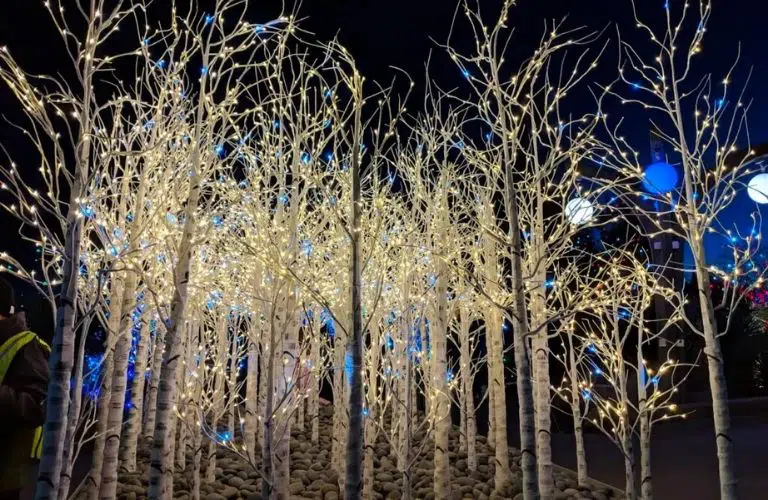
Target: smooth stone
pixel 331 495
pixel 235 481
pixel 230 492
pixel 388 487
pixel 296 487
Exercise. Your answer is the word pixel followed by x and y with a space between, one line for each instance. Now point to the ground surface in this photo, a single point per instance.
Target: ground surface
pixel 312 477
pixel 684 459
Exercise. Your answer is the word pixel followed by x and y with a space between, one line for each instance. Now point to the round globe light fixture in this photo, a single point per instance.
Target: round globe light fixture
pixel 758 188
pixel 660 178
pixel 579 211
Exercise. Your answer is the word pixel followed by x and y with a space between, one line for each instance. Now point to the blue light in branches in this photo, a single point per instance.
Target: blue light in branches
pixel 209 19
pixel 432 281
pixel 259 28
pixel 597 371
pixel 449 376
pixel 549 283
pixel 306 157
pixel 465 73
pixel 586 394
pixel 129 217
pixel 149 125
pixel 224 437
pixel 283 199
pixel 348 365
pixel 203 70
pixel 366 412
pixel 87 211
pixel 660 178
pixel 217 220
pixel 220 151
pixel 635 86
pixel 306 248
pixel 327 122
pixel 276 124
pixel 719 104
pixel 390 342
pixel 328 156
pixel 161 64
pixel 592 348
pixel 92 379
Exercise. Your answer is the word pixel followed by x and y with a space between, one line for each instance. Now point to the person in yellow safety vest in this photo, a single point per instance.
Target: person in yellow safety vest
pixel 23 387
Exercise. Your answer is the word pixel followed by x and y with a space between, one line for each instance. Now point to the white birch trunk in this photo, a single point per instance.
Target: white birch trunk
pixel 161 475
pixel 540 348
pixel 117 295
pixel 218 387
pixel 467 397
pixel 232 379
pixel 251 399
pixel 150 408
pixel 108 487
pixel 314 395
pixel 267 454
pixel 578 430
pixel 73 418
pixel 442 399
pixel 286 394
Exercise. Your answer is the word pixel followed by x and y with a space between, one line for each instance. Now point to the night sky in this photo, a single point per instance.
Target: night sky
pixel 385 33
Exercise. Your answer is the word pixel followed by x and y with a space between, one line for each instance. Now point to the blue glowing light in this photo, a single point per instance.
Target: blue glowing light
pixel 171 218
pixel 660 178
pixel 586 394
pixel 87 211
pixel 719 104
pixel 203 70
pixel 220 151
pixel 635 86
pixel 366 412
pixel 283 199
pixel 209 19
pixel 307 248
pixel 591 348
pixel 449 376
pixel 161 64
pixel 149 125
pixel 259 28
pixel 327 122
pixel 129 217
pixel 217 220
pixel 348 365
pixel 306 157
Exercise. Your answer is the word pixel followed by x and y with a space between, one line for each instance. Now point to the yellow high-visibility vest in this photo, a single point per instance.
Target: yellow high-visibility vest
pixel 8 351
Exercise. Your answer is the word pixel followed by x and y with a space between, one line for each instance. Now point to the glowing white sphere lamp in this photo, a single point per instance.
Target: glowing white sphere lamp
pixel 579 211
pixel 758 188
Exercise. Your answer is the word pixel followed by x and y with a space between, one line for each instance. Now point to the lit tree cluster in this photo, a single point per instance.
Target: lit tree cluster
pixel 247 220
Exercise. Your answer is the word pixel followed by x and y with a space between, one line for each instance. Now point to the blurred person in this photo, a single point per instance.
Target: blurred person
pixel 23 387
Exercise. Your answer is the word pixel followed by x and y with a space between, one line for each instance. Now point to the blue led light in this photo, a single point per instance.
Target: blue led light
pixel 660 178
